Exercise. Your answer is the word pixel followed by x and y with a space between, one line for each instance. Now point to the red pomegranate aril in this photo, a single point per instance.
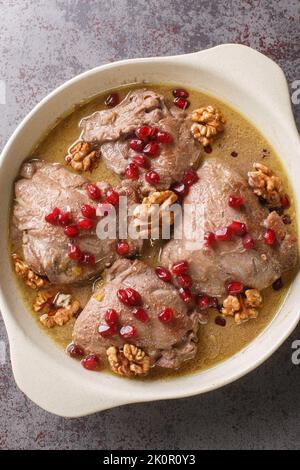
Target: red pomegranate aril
pixel 185 294
pixel 136 144
pixel 219 320
pixel 141 315
pixel 143 132
pixel 152 177
pixel 285 202
pixel 181 267
pixel 142 161
pixel 163 273
pixel 270 237
pixel 132 171
pixel 85 224
pixel 182 103
pixel 278 284
pixel 88 259
pixel 128 331
pixel 166 315
pixel 74 252
pixel 106 330
pixel 153 133
pixel 184 280
pixel 65 218
pixel 122 248
pixel 191 177
pixel 235 201
pixel 180 189
pixel 164 137
pixel 208 148
pixel 88 211
pixel 74 350
pixel 90 362
pixel 180 93
pixel 112 100
pixel 152 150
pixel 93 191
pixel 209 239
pixel 248 242
pixel 53 217
pixel 129 297
pixel 205 302
pixel 234 287
pixel 238 228
pixel 111 317
pixel 71 231
pixel 224 234
pixel 112 197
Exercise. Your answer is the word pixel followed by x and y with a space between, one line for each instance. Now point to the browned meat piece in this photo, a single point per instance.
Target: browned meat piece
pixel 168 344
pixel 111 129
pixel 212 267
pixel 43 187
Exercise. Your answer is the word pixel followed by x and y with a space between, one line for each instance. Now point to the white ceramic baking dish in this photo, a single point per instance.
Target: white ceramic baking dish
pixel 247 80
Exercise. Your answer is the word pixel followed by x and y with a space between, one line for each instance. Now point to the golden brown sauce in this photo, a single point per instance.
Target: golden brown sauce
pixel 241 137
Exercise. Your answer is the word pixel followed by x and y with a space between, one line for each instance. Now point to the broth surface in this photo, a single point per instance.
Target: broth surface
pixel 241 145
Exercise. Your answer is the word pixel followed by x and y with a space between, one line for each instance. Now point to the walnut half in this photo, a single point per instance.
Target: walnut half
pixel 83 157
pixel 61 316
pixel 129 362
pixel 242 308
pixel 22 270
pixel 265 184
pixel 208 122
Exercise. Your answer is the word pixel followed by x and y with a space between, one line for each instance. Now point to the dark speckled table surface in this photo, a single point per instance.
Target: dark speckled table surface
pixel 42 44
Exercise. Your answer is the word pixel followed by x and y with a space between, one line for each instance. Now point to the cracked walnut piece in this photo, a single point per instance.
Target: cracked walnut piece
pixel 265 184
pixel 61 316
pixel 129 362
pixel 208 122
pixel 82 157
pixel 22 270
pixel 242 308
pixel 43 300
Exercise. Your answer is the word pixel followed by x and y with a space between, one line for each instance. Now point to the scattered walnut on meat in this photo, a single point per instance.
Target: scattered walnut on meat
pixel 129 362
pixel 83 157
pixel 242 308
pixel 22 270
pixel 265 184
pixel 208 122
pixel 61 315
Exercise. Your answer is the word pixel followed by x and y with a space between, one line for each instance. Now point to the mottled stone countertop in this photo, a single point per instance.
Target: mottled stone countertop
pixel 42 44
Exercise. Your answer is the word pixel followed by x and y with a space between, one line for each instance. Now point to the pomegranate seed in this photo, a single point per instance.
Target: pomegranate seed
pixel 224 234
pixel 180 189
pixel 238 228
pixel 128 331
pixel 122 248
pixel 106 330
pixel 152 177
pixel 85 224
pixel 209 239
pixel 136 144
pixel 74 252
pixel 234 287
pixel 205 302
pixel 141 315
pixel 184 280
pixel 71 231
pixel 152 149
pixel 180 93
pixel 65 218
pixel 234 154
pixel 93 191
pixel 235 201
pixel 181 103
pixel 132 171
pixel 270 237
pixel 164 137
pixel 88 259
pixel 191 177
pixel 208 148
pixel 112 197
pixel 111 317
pixel 74 350
pixel 88 211
pixel 90 362
pixel 278 284
pixel 166 315
pixel 153 133
pixel 285 202
pixel 181 267
pixel 129 297
pixel 112 100
pixel 141 161
pixel 53 217
pixel 143 132
pixel 248 242
pixel 163 273
pixel 219 320
pixel 185 294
